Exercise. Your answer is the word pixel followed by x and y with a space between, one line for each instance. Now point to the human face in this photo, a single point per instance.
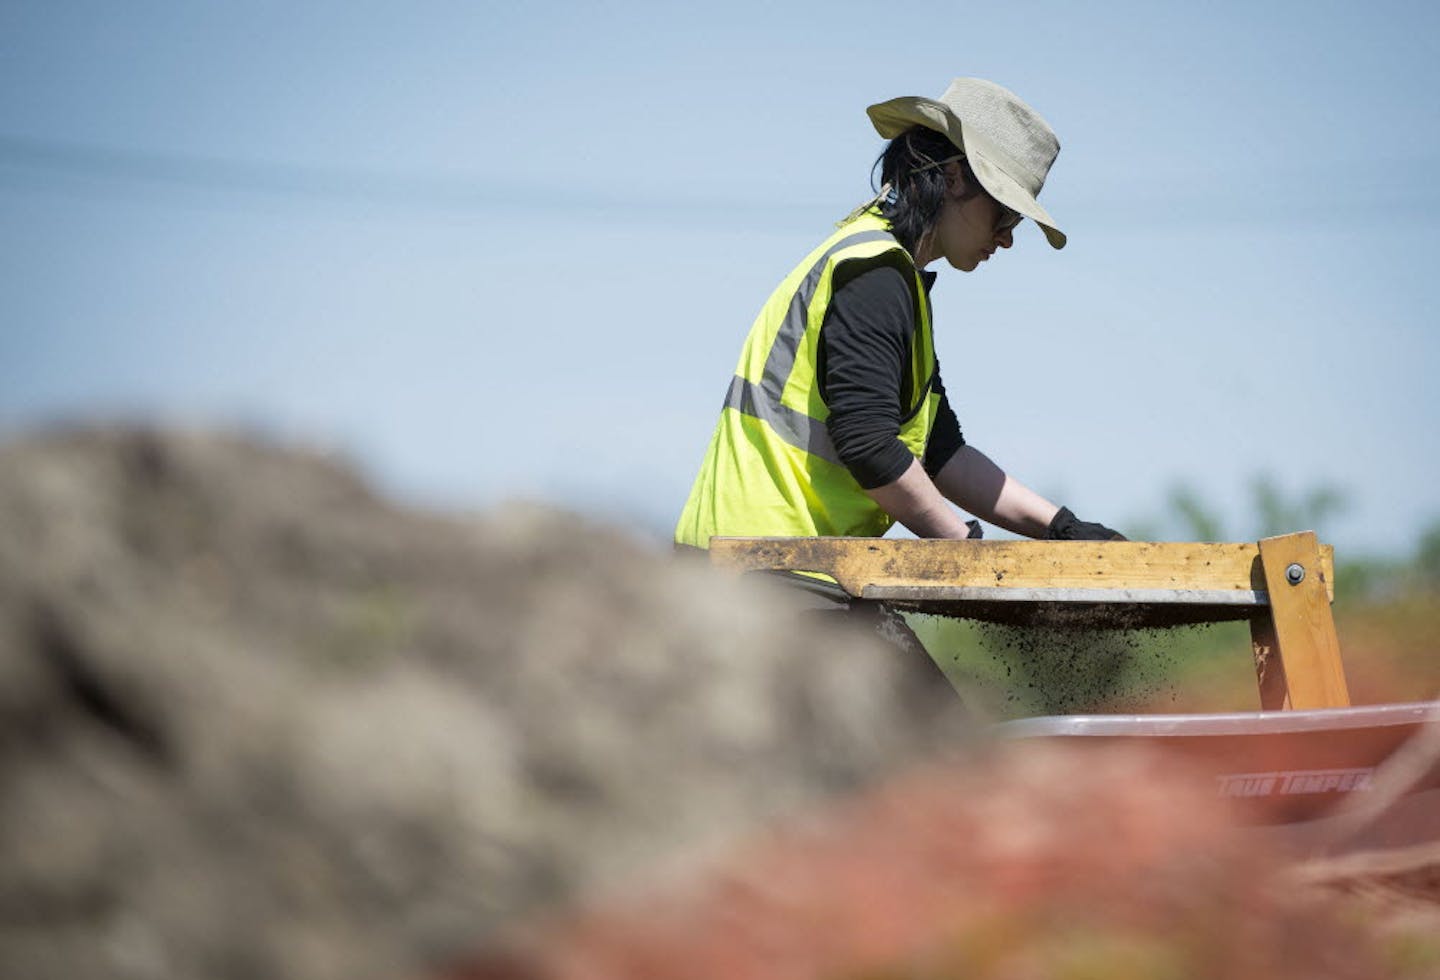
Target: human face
pixel 969 229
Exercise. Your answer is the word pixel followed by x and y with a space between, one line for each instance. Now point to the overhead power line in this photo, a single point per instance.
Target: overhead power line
pixel 137 169
pixel 130 166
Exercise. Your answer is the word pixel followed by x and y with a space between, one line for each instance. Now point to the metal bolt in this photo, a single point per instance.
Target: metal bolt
pixel 1295 574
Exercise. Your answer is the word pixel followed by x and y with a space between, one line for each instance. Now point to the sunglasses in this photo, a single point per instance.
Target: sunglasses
pixel 1006 218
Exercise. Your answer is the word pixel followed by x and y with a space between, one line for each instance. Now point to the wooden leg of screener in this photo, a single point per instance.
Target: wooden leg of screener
pixel 1304 629
pixel 1269 671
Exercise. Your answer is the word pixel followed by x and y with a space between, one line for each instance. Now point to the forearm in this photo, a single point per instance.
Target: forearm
pixel 976 484
pixel 916 502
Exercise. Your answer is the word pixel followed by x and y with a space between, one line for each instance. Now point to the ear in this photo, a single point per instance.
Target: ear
pixel 955 179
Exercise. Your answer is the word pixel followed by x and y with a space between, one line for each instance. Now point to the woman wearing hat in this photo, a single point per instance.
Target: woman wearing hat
pixel 836 421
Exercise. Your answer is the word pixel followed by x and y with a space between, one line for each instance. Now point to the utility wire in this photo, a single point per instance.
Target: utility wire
pixel 138 168
pixel 52 158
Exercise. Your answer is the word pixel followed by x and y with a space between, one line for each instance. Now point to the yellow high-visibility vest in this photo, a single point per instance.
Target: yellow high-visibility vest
pixel 771 468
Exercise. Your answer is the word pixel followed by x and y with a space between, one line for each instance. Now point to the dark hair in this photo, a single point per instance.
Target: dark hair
pixel 917 187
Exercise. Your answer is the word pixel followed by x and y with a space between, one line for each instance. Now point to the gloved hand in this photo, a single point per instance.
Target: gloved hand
pixel 1065 526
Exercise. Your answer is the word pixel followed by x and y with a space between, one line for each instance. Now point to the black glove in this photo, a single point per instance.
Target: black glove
pixel 1067 527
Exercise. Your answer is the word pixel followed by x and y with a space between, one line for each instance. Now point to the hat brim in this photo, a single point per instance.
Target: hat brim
pixel 987 161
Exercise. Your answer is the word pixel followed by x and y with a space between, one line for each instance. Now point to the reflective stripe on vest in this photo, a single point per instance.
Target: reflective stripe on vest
pixel 795 427
pixel 763 401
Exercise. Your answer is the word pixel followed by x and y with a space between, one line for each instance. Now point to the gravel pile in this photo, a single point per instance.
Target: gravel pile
pixel 256 721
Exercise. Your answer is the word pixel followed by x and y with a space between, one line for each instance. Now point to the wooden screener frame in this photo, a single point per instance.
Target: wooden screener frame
pixel 1282 585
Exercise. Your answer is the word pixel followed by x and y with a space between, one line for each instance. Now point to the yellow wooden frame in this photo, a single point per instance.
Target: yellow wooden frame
pixel 1283 585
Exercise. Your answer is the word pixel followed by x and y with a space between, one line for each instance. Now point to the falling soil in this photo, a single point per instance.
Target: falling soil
pixel 1065 672
pixel 1062 659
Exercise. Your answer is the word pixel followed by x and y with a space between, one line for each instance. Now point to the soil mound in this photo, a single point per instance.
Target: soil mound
pixel 256 721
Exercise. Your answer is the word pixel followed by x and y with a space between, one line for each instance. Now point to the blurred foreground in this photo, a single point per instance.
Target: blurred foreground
pixel 256 722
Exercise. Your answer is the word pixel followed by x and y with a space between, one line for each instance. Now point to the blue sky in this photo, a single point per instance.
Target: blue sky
pixel 499 251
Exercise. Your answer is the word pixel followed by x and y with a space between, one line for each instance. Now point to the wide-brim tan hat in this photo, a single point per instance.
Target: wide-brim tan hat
pixel 1009 147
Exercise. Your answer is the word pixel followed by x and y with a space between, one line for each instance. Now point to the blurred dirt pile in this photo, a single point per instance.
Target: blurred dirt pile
pixel 256 722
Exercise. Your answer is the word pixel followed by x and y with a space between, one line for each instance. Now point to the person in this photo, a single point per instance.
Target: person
pixel 836 421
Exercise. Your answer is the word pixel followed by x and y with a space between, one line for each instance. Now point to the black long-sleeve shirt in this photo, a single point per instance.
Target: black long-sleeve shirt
pixel 864 374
